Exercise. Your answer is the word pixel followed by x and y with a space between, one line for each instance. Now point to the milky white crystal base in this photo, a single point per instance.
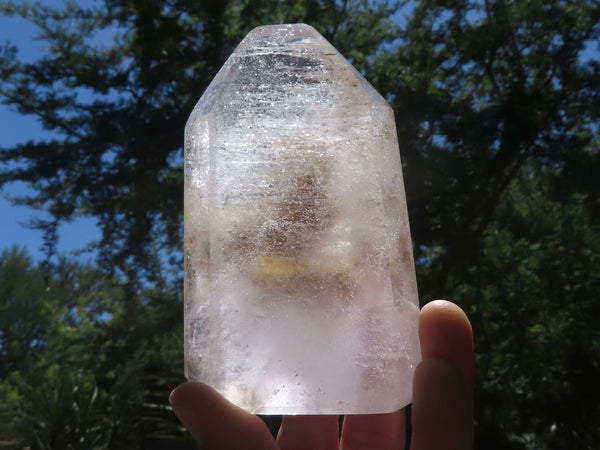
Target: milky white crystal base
pixel 300 292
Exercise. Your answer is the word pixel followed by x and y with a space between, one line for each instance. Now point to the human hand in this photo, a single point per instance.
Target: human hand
pixel 442 413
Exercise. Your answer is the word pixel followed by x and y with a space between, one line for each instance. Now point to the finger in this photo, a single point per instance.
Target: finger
pixel 308 432
pixel 442 412
pixel 445 332
pixel 216 423
pixel 376 431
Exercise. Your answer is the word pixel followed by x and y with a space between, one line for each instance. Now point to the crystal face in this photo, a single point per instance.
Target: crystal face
pixel 300 291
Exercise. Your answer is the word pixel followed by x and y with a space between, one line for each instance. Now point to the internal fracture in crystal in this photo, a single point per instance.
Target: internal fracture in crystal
pixel 300 291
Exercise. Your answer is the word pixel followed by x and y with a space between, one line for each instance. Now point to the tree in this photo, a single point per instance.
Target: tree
pixel 542 347
pixel 24 316
pixel 486 87
pixel 46 402
pixel 77 370
pixel 118 110
pixel 497 111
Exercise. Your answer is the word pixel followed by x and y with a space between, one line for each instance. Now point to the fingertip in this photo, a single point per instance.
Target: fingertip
pixel 447 311
pixel 180 393
pixel 210 418
pixel 195 394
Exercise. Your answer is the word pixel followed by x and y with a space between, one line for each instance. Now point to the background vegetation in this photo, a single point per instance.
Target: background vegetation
pixel 497 105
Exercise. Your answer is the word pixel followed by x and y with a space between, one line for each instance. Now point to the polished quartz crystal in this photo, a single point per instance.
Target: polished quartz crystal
pixel 300 291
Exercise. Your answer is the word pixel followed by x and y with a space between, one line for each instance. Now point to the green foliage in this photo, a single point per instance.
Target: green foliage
pixel 59 410
pixel 532 295
pixel 497 106
pixel 497 110
pixel 23 316
pixel 89 375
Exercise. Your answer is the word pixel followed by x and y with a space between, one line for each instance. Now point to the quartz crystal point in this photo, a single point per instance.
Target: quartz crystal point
pixel 300 291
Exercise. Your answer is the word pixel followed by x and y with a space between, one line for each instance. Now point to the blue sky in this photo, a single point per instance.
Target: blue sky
pixel 17 128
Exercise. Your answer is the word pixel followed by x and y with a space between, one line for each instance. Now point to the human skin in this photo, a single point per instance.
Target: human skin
pixel 442 408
